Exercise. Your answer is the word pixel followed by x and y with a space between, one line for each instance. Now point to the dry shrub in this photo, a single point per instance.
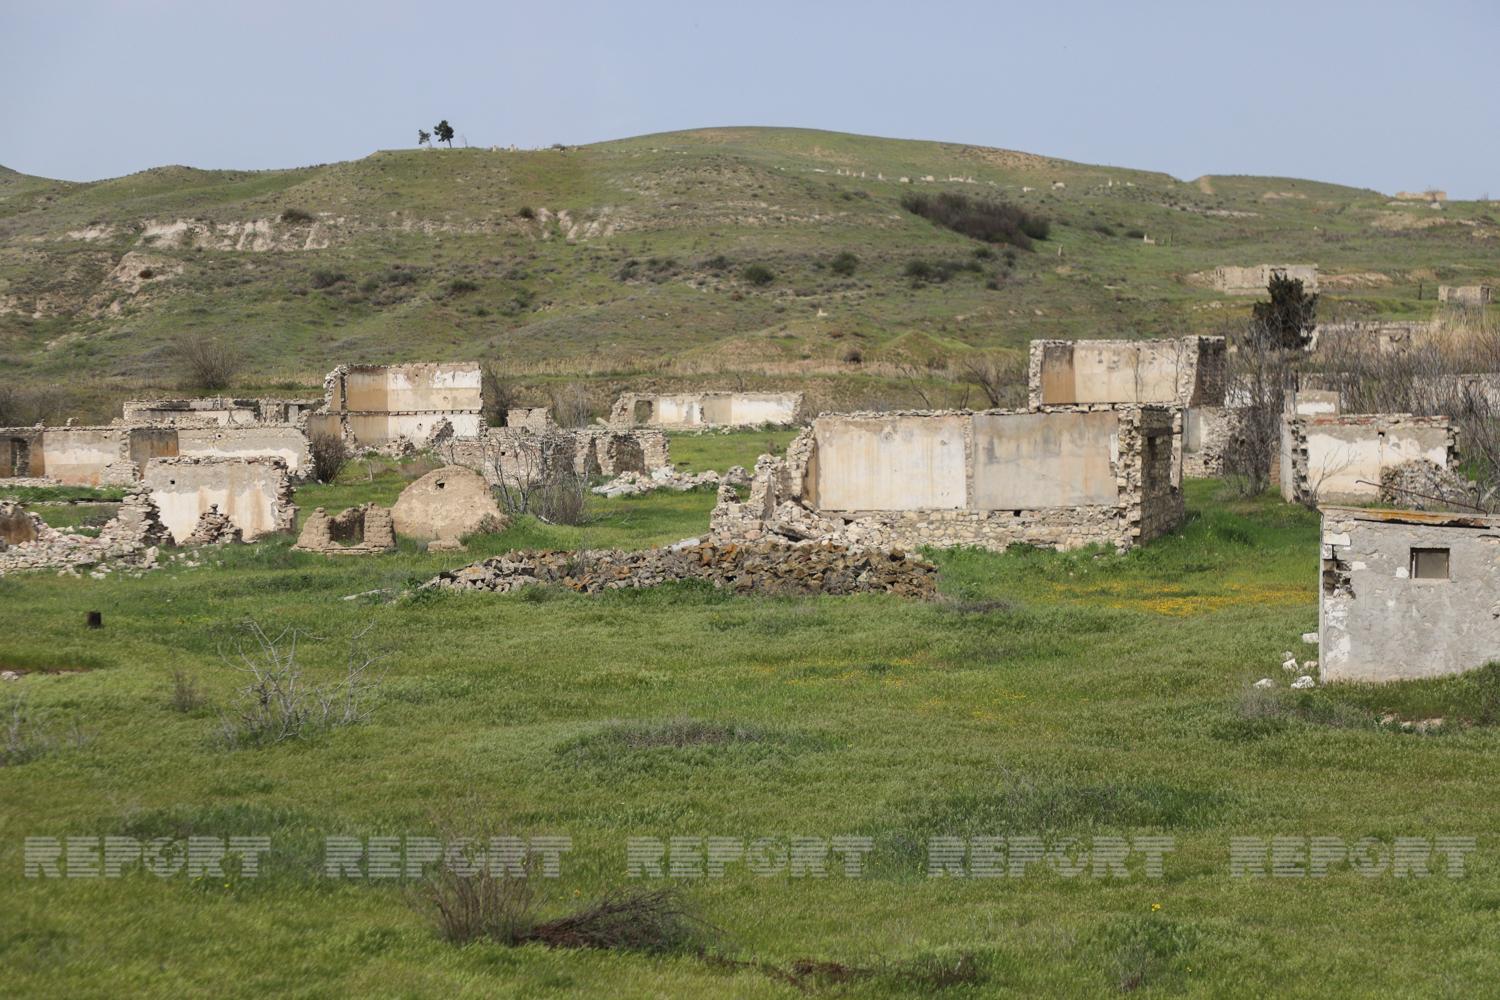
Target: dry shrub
pixel 330 454
pixel 186 697
pixel 646 920
pixel 571 406
pixel 472 906
pixel 209 362
pixel 496 394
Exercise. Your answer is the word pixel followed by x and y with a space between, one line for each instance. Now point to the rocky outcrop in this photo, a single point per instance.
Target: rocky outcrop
pixel 770 567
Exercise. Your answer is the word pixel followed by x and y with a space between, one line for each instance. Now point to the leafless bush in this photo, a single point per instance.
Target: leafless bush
pixel 330 454
pixel 571 406
pixel 1260 370
pixel 209 362
pixel 534 473
pixel 1002 380
pixel 25 733
pixel 1430 374
pixel 647 920
pixel 471 903
pixel 186 696
pixel 279 703
pixel 497 395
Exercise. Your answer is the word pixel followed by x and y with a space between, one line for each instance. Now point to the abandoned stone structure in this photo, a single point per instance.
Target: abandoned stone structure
pixel 513 455
pixel 375 405
pixel 447 504
pixel 1340 458
pixel 770 566
pixel 1187 372
pixel 1061 478
pixel 132 536
pixel 1390 336
pixel 1313 402
pixel 1466 295
pixel 117 454
pixel 1254 280
pixel 214 528
pixel 217 411
pixel 254 493
pixel 363 530
pixel 686 410
pixel 1407 595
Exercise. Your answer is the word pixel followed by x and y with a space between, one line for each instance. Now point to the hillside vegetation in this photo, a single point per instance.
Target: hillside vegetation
pixel 765 254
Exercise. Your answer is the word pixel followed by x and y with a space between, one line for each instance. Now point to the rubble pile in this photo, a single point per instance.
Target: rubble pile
pixel 634 484
pixel 770 566
pixel 214 528
pixel 1422 484
pixel 132 537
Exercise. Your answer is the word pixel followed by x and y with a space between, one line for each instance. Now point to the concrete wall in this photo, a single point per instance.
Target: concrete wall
pixel 256 494
pixel 216 411
pixel 376 404
pixel 268 441
pixel 1377 623
pixel 1060 478
pixel 80 456
pixel 1466 295
pixel 1335 459
pixel 1254 280
pixel 707 409
pixel 1189 371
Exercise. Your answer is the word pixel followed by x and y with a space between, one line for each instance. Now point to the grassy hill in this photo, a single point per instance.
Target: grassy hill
pixel 626 261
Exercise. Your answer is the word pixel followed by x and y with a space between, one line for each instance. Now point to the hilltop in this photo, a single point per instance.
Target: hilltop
pixel 628 259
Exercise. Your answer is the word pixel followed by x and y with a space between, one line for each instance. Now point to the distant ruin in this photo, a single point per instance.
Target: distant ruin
pixel 116 454
pixel 1340 458
pixel 216 411
pixel 1255 280
pixel 374 405
pixel 131 536
pixel 1472 296
pixel 1407 595
pixel 1064 478
pixel 1188 372
pixel 687 410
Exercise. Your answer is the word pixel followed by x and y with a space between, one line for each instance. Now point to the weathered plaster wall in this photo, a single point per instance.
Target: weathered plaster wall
pixel 1466 295
pixel 1254 280
pixel 268 441
pixel 1378 623
pixel 376 404
pixel 256 494
pixel 1187 371
pixel 1061 478
pixel 706 409
pixel 1339 458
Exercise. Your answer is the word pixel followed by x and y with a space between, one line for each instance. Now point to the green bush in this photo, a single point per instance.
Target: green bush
pixel 758 275
pixel 844 264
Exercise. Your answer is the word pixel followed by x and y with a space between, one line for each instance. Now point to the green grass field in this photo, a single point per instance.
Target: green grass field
pixel 1082 695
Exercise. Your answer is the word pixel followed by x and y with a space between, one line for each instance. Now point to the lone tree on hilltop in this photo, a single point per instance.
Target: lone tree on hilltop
pixel 1286 321
pixel 444 132
pixel 423 137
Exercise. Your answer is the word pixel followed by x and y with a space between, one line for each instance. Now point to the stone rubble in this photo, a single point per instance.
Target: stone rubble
pixel 773 567
pixel 132 538
pixel 634 484
pixel 214 529
pixel 362 530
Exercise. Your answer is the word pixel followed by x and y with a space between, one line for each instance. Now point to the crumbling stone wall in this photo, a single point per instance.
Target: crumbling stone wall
pixel 513 455
pixel 1185 371
pixel 1340 458
pixel 1406 594
pixel 771 566
pixel 1063 479
pixel 132 536
pixel 285 442
pixel 255 493
pixel 213 528
pixel 686 410
pixel 217 411
pixel 363 530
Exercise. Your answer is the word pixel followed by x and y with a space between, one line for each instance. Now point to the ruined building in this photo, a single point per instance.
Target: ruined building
pixel 254 493
pixel 691 410
pixel 1188 373
pixel 217 411
pixel 1341 458
pixel 117 454
pixel 1254 280
pixel 1407 595
pixel 1475 296
pixel 373 405
pixel 1063 478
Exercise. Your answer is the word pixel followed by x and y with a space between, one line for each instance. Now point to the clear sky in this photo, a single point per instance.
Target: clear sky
pixel 1383 94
